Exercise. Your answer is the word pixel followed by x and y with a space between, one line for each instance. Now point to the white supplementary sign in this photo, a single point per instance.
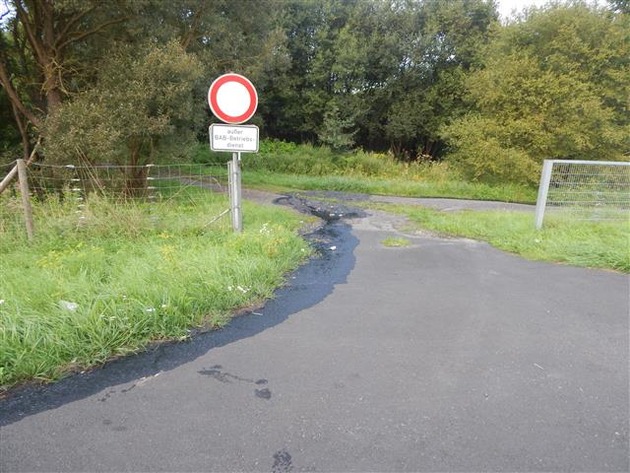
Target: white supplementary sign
pixel 234 138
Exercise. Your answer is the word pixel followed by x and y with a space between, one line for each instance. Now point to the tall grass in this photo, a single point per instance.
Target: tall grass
pixel 88 289
pixel 398 187
pixel 281 165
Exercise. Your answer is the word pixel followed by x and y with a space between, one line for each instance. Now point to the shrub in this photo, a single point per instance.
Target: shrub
pixel 477 150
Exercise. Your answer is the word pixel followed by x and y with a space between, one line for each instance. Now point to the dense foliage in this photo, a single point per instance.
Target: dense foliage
pixel 426 79
pixel 555 86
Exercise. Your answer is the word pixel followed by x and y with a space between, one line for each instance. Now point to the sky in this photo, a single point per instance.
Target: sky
pixel 506 6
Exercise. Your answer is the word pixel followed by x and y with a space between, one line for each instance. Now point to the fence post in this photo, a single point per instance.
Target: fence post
pixel 543 190
pixel 26 201
pixel 7 179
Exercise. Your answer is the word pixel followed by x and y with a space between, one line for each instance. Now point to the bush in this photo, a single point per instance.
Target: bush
pixel 477 150
pixel 202 154
pixel 505 165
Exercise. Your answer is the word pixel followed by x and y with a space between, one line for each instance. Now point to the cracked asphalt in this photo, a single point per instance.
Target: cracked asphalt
pixel 445 355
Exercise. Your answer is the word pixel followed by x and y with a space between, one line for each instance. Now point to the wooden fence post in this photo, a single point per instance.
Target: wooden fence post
pixel 26 199
pixel 7 179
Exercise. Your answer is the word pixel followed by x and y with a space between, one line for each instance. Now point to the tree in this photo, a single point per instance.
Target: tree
pixel 139 109
pixel 52 51
pixel 36 61
pixel 294 100
pixel 371 51
pixel 336 131
pixel 553 85
pixel 447 39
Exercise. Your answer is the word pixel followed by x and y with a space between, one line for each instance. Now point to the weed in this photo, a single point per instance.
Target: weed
pixel 394 242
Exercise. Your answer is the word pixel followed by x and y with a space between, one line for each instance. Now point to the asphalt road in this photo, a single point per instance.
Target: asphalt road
pixel 446 355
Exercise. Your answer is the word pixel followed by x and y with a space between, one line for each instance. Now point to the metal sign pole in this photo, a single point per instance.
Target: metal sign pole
pixel 235 195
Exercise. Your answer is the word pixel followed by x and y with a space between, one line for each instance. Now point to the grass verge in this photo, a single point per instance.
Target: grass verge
pixel 280 166
pixel 397 187
pixel 580 243
pixel 92 288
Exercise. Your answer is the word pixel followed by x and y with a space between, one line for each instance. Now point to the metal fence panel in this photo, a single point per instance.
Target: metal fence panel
pixel 584 190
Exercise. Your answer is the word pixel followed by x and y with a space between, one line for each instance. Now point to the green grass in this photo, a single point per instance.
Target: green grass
pixel 394 242
pixel 580 243
pixel 90 289
pixel 281 166
pixel 398 187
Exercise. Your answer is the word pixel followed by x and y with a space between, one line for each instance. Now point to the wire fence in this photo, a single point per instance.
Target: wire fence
pixel 151 181
pixel 148 188
pixel 585 190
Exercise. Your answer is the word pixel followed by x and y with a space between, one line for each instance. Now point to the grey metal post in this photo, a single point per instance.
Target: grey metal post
pixel 543 190
pixel 235 192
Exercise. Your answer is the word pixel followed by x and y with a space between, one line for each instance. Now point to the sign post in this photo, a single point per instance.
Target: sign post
pixel 234 171
pixel 233 100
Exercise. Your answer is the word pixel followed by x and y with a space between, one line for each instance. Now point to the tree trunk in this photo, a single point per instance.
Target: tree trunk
pixel 136 179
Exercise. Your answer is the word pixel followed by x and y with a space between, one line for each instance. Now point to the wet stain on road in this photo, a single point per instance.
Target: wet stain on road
pixel 308 285
pixel 216 372
pixel 140 382
pixel 263 393
pixel 282 462
pixel 114 428
pixel 107 395
pixel 327 206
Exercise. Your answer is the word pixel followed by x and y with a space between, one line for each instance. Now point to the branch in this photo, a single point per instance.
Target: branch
pixel 5 81
pixel 22 127
pixel 191 33
pixel 5 13
pixel 85 34
pixel 30 34
pixel 74 20
pixel 33 153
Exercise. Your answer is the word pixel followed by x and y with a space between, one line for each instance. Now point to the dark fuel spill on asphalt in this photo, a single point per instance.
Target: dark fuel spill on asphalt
pixel 334 259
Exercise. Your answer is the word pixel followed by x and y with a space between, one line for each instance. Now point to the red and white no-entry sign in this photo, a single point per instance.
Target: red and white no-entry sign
pixel 232 98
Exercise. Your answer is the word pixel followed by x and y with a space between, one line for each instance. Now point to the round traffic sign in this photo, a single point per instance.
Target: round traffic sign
pixel 233 98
